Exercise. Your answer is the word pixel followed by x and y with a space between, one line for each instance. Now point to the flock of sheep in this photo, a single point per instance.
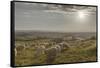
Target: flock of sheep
pixel 51 52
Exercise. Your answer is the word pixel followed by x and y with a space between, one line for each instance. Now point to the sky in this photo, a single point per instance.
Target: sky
pixel 55 18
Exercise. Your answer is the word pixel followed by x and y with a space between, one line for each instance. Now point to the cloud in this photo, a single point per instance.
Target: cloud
pixel 41 6
pixel 56 11
pixel 39 16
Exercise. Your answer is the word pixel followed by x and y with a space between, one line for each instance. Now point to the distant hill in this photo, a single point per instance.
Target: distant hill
pixel 43 34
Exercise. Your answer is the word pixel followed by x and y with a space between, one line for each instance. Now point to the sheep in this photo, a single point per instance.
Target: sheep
pixel 39 50
pixel 15 52
pixel 57 47
pixel 64 45
pixel 51 54
pixel 18 48
pixel 26 45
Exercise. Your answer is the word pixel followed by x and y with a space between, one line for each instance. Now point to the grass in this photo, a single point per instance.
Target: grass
pixel 80 52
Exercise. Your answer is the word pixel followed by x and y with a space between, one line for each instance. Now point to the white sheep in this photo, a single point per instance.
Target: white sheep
pixel 18 47
pixel 39 50
pixel 15 52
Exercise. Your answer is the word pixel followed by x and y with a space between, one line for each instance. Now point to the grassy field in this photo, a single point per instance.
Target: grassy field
pixel 79 51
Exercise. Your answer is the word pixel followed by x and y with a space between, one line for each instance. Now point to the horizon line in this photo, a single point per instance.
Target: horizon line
pixel 53 31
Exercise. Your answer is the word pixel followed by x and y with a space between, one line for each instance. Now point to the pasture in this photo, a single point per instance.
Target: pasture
pixel 37 50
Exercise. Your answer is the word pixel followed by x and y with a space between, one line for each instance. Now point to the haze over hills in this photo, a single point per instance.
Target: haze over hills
pixel 33 34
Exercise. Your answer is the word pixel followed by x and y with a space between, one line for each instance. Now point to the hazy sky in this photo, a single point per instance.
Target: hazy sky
pixel 59 18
